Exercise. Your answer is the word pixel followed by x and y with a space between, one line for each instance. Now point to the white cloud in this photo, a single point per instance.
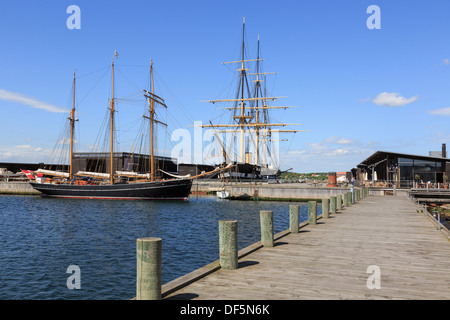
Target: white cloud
pixel 331 154
pixel 29 101
pixel 392 99
pixel 446 61
pixel 23 153
pixel 440 112
pixel 6 155
pixel 338 140
pixel 364 100
pixel 66 141
pixel 345 141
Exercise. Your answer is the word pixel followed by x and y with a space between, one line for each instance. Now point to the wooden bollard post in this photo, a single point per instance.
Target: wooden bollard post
pixel 266 218
pixel 228 244
pixel 294 212
pixel 339 202
pixel 325 208
pixel 312 212
pixel 344 200
pixel 349 198
pixel 333 205
pixel 148 263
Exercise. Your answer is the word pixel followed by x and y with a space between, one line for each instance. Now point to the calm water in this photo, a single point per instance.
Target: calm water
pixel 40 238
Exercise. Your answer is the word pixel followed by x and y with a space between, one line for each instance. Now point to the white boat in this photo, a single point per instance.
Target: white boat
pixel 223 194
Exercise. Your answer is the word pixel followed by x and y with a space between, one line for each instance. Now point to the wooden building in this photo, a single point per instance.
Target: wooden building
pixel 388 169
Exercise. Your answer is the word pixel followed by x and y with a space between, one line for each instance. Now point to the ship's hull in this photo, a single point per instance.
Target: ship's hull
pixel 160 190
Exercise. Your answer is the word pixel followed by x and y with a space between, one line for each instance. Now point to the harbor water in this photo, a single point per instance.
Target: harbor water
pixel 41 237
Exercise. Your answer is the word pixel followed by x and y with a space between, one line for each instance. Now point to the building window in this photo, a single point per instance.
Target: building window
pixel 406 171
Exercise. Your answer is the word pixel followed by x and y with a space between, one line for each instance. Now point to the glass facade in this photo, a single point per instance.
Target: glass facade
pixel 406 169
pixel 421 171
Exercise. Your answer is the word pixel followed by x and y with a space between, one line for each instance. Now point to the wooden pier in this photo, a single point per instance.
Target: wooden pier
pixel 381 247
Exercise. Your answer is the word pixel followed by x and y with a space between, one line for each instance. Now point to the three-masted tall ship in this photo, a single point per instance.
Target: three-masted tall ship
pixel 251 123
pixel 124 185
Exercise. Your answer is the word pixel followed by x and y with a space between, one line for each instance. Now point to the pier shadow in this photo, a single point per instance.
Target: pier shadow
pixel 247 263
pixel 280 243
pixel 183 296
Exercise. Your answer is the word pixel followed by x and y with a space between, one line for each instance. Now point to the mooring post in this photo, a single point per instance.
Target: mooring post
pixel 312 212
pixel 344 200
pixel 339 202
pixel 349 198
pixel 333 204
pixel 266 218
pixel 294 212
pixel 228 244
pixel 148 263
pixel 325 208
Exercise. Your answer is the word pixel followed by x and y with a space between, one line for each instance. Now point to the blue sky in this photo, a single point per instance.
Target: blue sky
pixel 357 90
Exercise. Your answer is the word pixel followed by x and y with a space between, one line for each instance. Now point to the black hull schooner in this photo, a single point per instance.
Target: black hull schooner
pixel 159 190
pixel 100 185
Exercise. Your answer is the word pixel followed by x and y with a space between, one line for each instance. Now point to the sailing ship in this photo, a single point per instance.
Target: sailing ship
pixel 123 185
pixel 250 119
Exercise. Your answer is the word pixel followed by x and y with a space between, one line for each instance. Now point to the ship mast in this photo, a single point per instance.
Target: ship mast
pixel 72 129
pixel 152 98
pixel 112 109
pixel 257 86
pixel 242 116
pixel 152 118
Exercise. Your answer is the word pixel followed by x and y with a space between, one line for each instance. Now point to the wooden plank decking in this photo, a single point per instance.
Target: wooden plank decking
pixel 330 260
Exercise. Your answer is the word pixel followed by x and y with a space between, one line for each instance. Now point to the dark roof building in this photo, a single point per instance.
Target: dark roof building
pixel 388 169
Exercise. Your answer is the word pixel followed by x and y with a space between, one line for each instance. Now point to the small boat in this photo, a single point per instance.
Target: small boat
pixel 223 194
